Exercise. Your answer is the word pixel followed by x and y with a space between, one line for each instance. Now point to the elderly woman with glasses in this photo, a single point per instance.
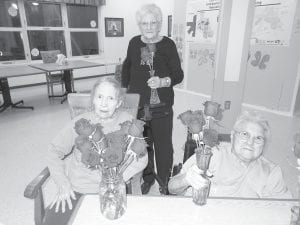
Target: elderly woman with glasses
pixel 239 168
pixel 151 68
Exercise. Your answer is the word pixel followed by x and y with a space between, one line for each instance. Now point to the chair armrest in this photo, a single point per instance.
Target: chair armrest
pixel 32 189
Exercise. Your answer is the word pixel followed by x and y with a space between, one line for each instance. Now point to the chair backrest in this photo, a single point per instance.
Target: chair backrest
pixel 80 103
pixel 49 56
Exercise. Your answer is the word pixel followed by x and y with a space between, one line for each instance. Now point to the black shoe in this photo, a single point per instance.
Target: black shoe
pixel 146 187
pixel 164 191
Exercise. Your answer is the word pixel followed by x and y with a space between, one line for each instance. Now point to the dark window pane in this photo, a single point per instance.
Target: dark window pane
pixel 45 40
pixel 11 46
pixel 84 43
pixel 9 14
pixel 82 16
pixel 43 14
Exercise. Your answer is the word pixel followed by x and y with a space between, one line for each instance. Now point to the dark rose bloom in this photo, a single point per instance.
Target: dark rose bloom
pixel 185 117
pixel 194 126
pixel 83 143
pixel 84 127
pixel 194 120
pixel 297 145
pixel 136 129
pixel 198 115
pixel 114 154
pixel 145 55
pixel 98 134
pixel 139 146
pixel 125 126
pixel 210 137
pixel 90 158
pixel 212 109
pixel 151 47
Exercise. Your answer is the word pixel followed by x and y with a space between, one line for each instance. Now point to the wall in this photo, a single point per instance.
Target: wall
pixel 274 87
pixel 115 47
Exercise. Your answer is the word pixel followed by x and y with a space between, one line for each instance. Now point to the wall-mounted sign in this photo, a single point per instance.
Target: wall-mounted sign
pixel 273 21
pixel 202 21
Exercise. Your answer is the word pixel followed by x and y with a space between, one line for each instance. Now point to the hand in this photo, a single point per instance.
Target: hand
pixel 194 177
pixel 64 194
pixel 154 82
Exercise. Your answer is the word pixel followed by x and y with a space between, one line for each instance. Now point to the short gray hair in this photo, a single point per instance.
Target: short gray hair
pixel 149 9
pixel 257 118
pixel 111 80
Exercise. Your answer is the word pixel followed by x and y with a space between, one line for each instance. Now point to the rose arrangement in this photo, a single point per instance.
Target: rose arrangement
pixel 205 138
pixel 114 151
pixel 198 124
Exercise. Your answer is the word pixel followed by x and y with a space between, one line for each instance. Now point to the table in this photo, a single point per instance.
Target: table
pixel 14 71
pixel 68 68
pixel 176 210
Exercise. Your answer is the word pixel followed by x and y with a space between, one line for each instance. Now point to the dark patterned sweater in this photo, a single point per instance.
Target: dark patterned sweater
pixel 166 64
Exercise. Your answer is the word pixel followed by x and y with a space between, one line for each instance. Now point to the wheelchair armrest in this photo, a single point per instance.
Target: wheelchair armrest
pixel 32 189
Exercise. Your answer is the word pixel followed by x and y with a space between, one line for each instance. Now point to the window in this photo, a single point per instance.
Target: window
pixel 11 46
pixel 84 43
pixel 83 29
pixel 11 41
pixel 28 27
pixel 43 14
pixel 9 14
pixel 45 40
pixel 82 16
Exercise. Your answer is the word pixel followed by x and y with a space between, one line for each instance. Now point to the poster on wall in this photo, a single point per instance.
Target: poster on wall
pixel 273 21
pixel 202 21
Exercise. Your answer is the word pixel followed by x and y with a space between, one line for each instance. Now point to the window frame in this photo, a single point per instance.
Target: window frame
pixel 67 34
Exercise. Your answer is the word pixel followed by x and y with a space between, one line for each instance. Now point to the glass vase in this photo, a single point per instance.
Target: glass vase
pixel 200 195
pixel 154 98
pixel 203 155
pixel 112 193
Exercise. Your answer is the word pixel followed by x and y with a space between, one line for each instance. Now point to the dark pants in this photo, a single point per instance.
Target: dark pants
pixel 59 218
pixel 158 133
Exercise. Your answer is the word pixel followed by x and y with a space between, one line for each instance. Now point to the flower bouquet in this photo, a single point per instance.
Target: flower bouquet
pixel 147 58
pixel 112 153
pixel 205 138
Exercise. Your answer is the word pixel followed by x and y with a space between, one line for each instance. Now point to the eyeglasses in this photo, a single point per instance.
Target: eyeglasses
pixel 152 24
pixel 245 136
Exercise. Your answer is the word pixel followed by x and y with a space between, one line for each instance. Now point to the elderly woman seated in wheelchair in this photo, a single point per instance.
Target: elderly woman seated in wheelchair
pixel 82 170
pixel 238 169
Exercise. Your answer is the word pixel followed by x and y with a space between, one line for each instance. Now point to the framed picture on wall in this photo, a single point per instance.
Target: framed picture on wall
pixel 169 25
pixel 114 27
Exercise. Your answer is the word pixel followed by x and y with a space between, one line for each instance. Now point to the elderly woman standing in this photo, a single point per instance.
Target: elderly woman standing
pixel 239 168
pixel 152 52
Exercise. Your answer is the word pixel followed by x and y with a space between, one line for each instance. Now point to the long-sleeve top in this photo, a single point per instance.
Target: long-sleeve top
pixel 166 64
pixel 71 169
pixel 231 178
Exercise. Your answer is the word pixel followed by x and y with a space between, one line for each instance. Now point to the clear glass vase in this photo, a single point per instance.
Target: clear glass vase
pixel 200 195
pixel 112 193
pixel 203 155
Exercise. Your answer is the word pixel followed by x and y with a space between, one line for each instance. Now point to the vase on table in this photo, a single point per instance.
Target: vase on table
pixel 154 98
pixel 112 193
pixel 203 155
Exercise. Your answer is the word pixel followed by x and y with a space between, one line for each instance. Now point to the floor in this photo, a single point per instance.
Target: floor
pixel 25 134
